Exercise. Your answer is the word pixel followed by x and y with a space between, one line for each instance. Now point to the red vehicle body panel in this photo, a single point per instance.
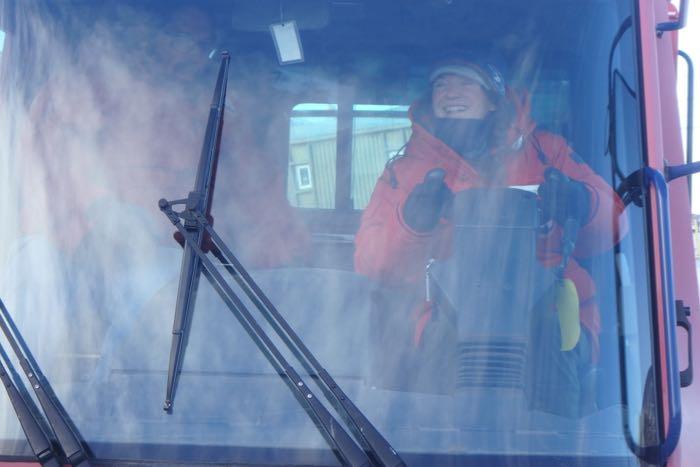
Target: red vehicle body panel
pixel 664 146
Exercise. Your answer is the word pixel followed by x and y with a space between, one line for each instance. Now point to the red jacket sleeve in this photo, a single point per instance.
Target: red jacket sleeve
pixel 386 248
pixel 607 221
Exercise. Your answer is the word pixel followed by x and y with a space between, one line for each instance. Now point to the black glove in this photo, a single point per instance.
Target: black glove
pixel 563 198
pixel 428 202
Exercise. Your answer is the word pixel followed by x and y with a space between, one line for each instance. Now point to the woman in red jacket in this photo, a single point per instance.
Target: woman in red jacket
pixel 478 133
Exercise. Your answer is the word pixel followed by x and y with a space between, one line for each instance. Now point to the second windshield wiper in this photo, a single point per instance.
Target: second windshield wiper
pixel 27 414
pixel 59 421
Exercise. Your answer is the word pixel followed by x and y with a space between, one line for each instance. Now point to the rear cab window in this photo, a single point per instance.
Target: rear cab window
pixel 378 133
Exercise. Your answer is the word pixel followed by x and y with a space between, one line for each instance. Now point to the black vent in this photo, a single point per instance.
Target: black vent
pixel 490 364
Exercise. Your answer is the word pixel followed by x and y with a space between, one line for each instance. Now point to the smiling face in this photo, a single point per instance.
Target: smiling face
pixel 456 96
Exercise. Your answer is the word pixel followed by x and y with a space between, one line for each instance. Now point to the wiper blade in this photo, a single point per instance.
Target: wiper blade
pixel 26 412
pixel 56 416
pixel 200 199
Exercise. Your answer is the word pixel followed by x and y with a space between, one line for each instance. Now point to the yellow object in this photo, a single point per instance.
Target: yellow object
pixel 566 300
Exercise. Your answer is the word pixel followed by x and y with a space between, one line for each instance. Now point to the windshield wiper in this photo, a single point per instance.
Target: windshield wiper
pixel 65 432
pixel 27 412
pixel 190 268
pixel 197 235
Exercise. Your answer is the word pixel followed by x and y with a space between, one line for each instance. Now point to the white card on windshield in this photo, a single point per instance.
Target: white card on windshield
pixel 287 42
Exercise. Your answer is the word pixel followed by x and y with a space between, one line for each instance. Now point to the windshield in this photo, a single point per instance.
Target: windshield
pixel 424 190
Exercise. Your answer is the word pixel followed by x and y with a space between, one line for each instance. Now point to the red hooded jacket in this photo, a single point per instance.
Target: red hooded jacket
pixel 386 249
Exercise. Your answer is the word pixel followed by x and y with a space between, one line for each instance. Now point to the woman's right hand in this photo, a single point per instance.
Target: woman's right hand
pixel 428 202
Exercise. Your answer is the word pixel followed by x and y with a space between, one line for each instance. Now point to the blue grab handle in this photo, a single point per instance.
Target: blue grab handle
pixel 660 453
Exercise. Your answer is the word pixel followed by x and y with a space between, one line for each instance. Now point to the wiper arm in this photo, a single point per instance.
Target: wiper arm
pixel 26 412
pixel 344 447
pixel 380 450
pixel 56 416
